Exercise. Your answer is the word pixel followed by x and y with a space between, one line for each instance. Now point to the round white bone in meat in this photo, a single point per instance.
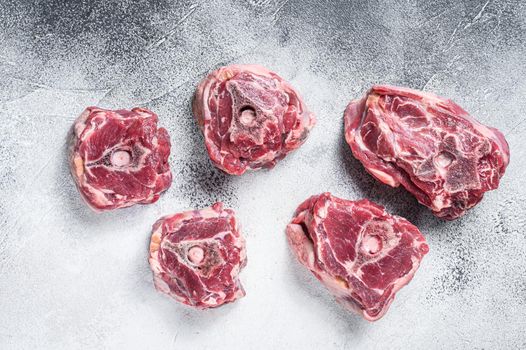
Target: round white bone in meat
pixel 250 117
pixel 119 158
pixel 196 257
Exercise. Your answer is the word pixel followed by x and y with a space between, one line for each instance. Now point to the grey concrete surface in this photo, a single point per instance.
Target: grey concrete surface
pixel 72 279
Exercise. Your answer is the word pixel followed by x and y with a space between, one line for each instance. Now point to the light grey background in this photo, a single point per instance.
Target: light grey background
pixel 72 279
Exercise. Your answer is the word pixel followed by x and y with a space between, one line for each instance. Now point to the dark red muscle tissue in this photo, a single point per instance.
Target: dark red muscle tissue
pixel 250 117
pixel 427 144
pixel 196 257
pixel 361 253
pixel 119 158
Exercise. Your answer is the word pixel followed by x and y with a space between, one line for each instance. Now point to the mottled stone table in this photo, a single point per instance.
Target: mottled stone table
pixel 72 279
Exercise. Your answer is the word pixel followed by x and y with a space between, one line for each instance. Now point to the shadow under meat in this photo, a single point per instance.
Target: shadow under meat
pixel 305 281
pixel 197 178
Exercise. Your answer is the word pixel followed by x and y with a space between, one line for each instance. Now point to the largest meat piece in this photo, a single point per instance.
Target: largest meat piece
pixel 362 254
pixel 119 158
pixel 429 145
pixel 196 256
pixel 250 117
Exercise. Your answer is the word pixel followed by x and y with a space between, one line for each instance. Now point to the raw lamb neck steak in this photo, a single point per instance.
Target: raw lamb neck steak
pixel 196 257
pixel 119 158
pixel 429 145
pixel 250 117
pixel 362 254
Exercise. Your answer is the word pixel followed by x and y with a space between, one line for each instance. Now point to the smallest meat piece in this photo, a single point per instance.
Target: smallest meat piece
pixel 362 254
pixel 119 158
pixel 196 257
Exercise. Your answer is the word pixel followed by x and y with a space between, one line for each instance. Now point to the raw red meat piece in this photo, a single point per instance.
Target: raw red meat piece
pixel 362 254
pixel 196 256
pixel 250 117
pixel 119 158
pixel 429 145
